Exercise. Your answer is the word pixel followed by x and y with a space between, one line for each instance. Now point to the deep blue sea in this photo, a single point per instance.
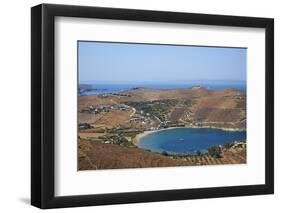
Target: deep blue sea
pixel 115 87
pixel 188 140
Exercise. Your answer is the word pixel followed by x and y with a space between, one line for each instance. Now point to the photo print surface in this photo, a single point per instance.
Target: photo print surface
pixel 160 105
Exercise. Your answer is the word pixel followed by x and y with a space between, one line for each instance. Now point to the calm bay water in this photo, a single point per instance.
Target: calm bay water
pixel 115 87
pixel 188 140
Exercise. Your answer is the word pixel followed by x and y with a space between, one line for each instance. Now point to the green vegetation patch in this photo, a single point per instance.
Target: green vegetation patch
pixel 157 108
pixel 215 151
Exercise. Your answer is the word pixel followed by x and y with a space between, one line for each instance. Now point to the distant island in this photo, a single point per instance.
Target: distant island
pixel 111 124
pixel 83 89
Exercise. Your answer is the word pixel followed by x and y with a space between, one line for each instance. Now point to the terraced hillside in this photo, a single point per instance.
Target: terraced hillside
pixel 95 155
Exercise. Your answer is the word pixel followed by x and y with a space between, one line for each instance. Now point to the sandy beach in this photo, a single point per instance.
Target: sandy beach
pixel 145 133
pixel 141 135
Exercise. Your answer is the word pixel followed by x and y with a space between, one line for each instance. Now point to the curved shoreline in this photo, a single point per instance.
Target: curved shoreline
pixel 148 132
pixel 138 137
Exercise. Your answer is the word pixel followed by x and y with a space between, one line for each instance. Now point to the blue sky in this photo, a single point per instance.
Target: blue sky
pixel 99 61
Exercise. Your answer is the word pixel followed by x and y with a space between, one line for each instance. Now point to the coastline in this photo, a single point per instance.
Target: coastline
pixel 138 137
pixel 148 132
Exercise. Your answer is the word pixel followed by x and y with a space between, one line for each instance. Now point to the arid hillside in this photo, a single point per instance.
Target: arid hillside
pixel 95 155
pixel 109 125
pixel 195 107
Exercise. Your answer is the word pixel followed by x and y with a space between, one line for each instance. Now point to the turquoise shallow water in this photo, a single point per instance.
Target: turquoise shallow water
pixel 188 140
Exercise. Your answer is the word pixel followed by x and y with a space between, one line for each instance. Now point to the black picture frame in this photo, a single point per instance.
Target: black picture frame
pixel 43 102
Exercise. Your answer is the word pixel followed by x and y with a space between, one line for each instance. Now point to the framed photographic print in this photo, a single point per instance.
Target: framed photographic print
pixel 139 106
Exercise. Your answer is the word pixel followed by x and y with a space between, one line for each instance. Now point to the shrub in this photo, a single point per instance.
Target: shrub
pixel 165 153
pixel 228 145
pixel 198 153
pixel 214 151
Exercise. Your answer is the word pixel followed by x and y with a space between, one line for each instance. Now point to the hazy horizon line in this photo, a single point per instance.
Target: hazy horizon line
pixel 158 81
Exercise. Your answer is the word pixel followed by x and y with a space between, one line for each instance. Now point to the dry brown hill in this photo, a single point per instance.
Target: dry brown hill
pixel 217 108
pixel 95 155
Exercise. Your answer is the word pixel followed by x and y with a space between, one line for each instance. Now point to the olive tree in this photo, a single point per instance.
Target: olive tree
pixel 215 151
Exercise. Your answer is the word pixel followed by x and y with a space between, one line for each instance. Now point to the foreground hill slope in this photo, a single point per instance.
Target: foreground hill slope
pixel 95 155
